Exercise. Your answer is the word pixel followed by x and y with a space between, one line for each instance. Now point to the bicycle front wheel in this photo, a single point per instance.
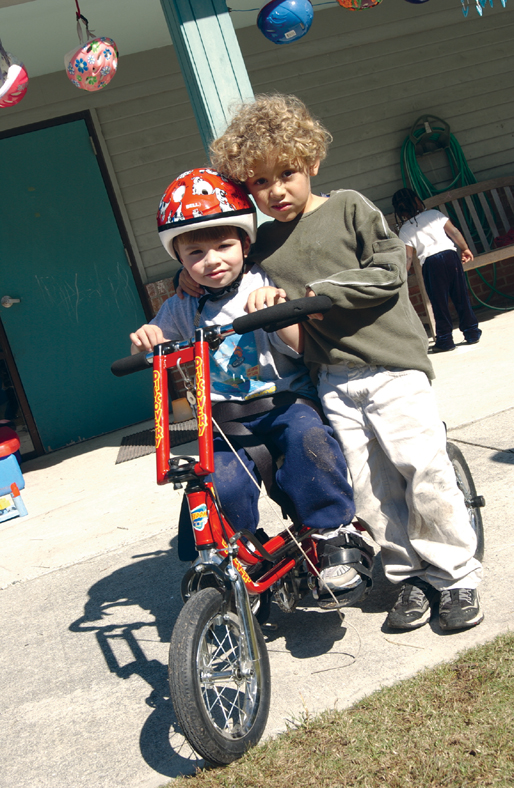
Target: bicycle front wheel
pixel 220 696
pixel 473 501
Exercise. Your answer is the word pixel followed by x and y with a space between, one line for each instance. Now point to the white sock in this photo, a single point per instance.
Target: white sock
pixel 329 533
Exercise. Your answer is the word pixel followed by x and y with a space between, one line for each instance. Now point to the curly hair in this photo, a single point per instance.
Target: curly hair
pixel 271 125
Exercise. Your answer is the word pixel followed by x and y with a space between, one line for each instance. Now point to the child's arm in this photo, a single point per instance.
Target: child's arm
pixel 458 239
pixel 373 258
pixel 144 339
pixel 409 251
pixel 269 296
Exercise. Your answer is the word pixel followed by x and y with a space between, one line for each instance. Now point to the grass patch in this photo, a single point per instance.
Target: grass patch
pixel 448 727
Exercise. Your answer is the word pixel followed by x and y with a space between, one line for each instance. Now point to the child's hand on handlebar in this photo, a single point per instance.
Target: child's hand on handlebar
pixel 271 296
pixel 315 315
pixel 145 338
pixel 265 296
pixel 188 285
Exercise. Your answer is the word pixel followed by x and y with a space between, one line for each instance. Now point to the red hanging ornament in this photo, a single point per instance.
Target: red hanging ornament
pixel 14 79
pixel 358 5
pixel 93 64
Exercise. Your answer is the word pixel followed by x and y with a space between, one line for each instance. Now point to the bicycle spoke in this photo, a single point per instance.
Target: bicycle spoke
pixel 229 695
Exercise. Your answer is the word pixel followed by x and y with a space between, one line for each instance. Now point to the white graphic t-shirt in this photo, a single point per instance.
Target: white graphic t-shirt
pixel 244 366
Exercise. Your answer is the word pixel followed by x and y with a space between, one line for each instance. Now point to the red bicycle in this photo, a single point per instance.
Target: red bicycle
pixel 219 671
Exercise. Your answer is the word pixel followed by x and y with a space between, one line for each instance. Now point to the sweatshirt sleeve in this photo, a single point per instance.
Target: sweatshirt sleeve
pixel 380 259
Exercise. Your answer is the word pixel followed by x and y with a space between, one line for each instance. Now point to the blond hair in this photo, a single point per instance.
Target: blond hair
pixel 272 126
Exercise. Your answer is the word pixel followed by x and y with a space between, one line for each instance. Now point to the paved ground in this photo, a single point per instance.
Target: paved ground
pixel 91 590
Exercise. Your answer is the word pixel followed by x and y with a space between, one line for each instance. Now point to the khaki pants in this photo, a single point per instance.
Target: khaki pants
pixel 404 484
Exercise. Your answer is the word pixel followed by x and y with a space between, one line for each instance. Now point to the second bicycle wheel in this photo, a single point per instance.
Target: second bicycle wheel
pixel 220 696
pixel 467 487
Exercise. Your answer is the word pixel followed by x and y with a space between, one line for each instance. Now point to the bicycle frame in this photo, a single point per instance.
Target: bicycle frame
pixel 214 536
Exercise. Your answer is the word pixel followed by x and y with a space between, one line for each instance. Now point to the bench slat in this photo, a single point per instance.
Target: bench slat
pixel 464 226
pixel 508 194
pixel 477 223
pixel 488 214
pixel 500 209
pixel 464 191
pixel 494 256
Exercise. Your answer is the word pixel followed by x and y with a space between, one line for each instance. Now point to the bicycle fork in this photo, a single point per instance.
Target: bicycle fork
pixel 244 612
pixel 227 573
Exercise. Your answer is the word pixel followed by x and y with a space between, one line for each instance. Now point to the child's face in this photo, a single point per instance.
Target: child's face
pixel 281 191
pixel 216 262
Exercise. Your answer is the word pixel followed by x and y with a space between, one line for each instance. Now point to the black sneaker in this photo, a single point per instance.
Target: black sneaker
pixel 459 608
pixel 412 608
pixel 474 338
pixel 438 349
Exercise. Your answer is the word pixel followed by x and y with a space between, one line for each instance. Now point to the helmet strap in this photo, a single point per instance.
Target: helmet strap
pixel 82 18
pixel 218 294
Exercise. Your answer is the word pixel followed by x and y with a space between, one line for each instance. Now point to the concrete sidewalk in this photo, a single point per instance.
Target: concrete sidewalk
pixel 91 590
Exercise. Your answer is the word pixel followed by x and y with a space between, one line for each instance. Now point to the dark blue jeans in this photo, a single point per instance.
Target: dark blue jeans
pixel 313 473
pixel 444 278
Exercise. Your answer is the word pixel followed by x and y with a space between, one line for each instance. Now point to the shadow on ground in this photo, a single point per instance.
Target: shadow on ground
pixel 151 584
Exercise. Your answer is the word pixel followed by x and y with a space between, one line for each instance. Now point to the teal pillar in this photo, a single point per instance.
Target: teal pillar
pixel 210 60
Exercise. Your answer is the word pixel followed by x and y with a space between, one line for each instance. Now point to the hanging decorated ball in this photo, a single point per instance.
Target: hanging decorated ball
pixel 14 80
pixel 93 64
pixel 417 2
pixel 359 5
pixel 285 21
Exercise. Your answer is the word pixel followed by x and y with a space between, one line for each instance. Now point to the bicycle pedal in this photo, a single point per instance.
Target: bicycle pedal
pixel 350 597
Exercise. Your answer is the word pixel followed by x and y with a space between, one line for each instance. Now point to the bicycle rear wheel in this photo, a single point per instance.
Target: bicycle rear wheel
pixel 220 696
pixel 467 487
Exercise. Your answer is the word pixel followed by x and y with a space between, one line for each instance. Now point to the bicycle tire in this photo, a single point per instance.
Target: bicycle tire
pixel 224 717
pixel 467 487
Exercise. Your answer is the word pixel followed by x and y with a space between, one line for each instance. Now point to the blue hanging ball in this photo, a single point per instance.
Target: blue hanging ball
pixel 285 21
pixel 417 2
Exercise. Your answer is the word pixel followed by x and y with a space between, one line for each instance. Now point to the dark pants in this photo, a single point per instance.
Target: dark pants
pixel 444 278
pixel 313 473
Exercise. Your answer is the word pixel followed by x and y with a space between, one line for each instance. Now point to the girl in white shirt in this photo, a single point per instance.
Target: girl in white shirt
pixel 433 237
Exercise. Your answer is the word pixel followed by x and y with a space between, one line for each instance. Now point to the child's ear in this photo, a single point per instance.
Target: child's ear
pixel 314 169
pixel 246 246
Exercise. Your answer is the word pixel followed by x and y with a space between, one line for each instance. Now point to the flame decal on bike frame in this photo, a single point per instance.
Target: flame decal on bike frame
pixel 157 407
pixel 201 414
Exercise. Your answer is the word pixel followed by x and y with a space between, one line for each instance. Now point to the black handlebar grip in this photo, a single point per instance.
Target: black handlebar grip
pixel 273 318
pixel 130 364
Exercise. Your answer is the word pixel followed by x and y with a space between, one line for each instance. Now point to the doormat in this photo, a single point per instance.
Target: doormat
pixel 142 443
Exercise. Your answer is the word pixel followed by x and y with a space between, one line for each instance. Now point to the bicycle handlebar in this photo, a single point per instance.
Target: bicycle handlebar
pixel 130 364
pixel 281 315
pixel 271 319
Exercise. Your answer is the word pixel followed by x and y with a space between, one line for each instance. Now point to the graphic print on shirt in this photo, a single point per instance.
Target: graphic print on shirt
pixel 235 369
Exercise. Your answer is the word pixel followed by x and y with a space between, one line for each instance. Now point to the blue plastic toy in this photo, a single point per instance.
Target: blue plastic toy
pixel 11 477
pixel 285 21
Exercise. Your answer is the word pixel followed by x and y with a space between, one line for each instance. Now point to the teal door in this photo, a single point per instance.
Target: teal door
pixel 62 256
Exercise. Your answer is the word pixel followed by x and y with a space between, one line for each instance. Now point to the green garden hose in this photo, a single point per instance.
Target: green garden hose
pixel 427 138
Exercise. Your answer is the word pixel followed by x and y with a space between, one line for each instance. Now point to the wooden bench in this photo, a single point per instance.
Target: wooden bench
pixel 482 212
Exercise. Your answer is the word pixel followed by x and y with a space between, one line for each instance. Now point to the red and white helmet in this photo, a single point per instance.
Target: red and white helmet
pixel 203 198
pixel 14 79
pixel 92 65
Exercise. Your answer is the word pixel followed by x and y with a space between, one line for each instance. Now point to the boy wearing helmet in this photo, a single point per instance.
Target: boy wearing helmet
pixel 368 356
pixel 258 379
